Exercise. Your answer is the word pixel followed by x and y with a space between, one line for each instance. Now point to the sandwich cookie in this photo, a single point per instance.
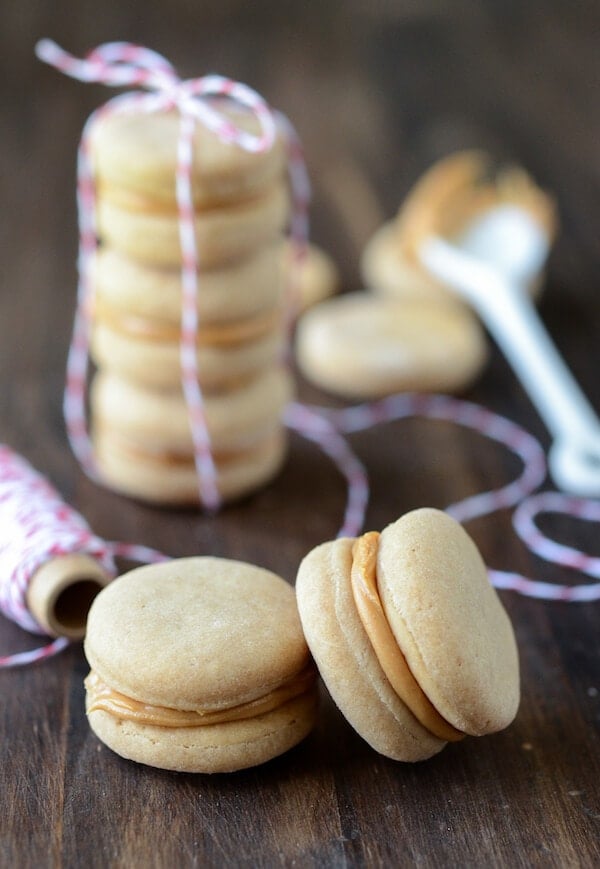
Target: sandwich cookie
pixel 137 154
pixel 158 421
pixel 409 636
pixel 364 346
pixel 147 351
pixel 199 665
pixel 223 235
pixel 238 291
pixel 170 479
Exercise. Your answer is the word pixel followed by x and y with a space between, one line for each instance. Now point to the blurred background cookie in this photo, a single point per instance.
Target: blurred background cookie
pixel 360 345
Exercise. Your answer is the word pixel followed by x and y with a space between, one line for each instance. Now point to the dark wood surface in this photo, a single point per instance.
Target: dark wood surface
pixel 378 91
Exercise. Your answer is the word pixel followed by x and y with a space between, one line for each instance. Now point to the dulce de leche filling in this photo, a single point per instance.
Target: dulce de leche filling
pixel 210 334
pixel 102 697
pixel 392 661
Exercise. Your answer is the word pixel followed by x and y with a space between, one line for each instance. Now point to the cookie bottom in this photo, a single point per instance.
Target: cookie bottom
pixel 213 748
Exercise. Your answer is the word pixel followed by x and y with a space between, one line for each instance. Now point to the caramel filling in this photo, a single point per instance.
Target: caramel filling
pixel 139 203
pixel 102 697
pixel 213 335
pixel 392 661
pixel 167 458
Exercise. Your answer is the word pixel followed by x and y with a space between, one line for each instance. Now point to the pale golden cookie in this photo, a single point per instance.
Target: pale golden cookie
pixel 223 234
pixel 456 661
pixel 156 363
pixel 137 153
pixel 199 665
pixel 163 478
pixel 240 290
pixel 158 420
pixel 364 346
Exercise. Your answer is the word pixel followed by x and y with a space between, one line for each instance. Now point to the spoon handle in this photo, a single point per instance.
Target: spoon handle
pixel 512 319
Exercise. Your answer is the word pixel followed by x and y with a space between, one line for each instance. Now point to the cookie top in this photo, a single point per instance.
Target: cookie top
pixel 359 346
pixel 448 621
pixel 137 153
pixel 196 633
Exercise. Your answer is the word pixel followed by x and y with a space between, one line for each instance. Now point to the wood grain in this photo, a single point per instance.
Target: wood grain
pixel 378 91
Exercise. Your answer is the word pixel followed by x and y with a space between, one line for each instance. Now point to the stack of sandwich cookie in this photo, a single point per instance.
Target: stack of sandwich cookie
pixel 199 665
pixel 241 211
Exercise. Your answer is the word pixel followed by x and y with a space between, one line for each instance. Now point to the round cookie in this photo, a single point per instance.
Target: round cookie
pixel 223 235
pixel 137 153
pixel 199 665
pixel 363 346
pixel 409 636
pixel 159 420
pixel 163 478
pixel 236 291
pixel 387 269
pixel 156 363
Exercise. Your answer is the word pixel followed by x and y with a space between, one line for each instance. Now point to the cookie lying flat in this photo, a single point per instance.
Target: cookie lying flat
pixel 409 636
pixel 160 477
pixel 365 346
pixel 199 665
pixel 159 420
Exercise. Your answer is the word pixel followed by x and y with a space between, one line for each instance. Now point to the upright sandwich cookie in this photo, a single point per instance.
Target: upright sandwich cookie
pixel 409 636
pixel 199 665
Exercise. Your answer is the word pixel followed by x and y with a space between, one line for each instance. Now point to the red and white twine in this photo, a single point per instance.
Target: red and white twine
pixel 36 524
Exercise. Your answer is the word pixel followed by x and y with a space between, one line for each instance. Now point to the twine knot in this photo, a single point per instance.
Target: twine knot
pixel 122 64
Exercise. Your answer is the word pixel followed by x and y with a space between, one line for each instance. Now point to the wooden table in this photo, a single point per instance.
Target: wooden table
pixel 376 95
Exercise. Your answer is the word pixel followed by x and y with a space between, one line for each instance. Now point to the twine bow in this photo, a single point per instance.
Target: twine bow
pixel 121 64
